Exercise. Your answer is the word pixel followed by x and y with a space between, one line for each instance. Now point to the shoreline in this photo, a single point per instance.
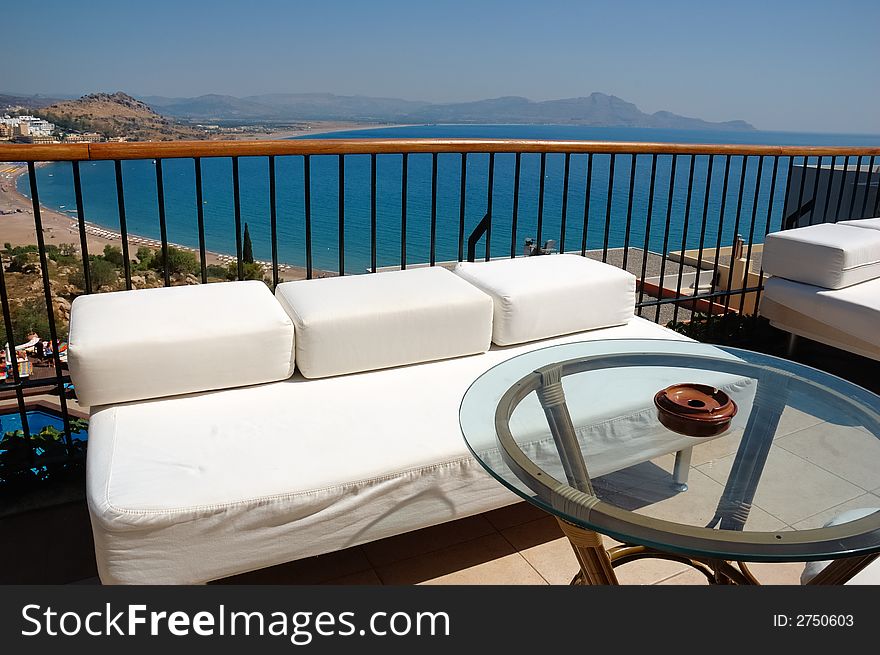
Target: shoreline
pixel 19 230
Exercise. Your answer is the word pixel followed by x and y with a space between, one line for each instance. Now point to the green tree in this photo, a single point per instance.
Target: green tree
pixel 179 261
pixel 103 273
pixel 248 247
pixel 113 254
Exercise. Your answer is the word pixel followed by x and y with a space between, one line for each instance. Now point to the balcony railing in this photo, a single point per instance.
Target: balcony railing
pixel 687 219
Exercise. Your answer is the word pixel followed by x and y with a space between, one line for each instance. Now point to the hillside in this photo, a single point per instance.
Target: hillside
pixel 115 115
pixel 596 109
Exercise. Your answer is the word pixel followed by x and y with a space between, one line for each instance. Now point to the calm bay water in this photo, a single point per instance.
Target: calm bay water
pixel 100 205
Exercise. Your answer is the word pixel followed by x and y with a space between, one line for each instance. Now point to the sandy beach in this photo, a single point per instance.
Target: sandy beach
pixel 17 216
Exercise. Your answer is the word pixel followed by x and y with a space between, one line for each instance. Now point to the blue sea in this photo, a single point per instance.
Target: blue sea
pixel 55 186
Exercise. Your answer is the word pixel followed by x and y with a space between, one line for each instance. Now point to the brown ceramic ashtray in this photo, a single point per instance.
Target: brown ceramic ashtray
pixel 695 410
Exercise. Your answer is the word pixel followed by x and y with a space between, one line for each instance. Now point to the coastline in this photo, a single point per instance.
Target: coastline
pixel 18 224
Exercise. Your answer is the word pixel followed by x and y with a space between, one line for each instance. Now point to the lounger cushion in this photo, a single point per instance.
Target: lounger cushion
pixel 869 575
pixel 366 322
pixel 827 255
pixel 288 470
pixel 855 309
pixel 550 295
pixel 869 223
pixel 149 343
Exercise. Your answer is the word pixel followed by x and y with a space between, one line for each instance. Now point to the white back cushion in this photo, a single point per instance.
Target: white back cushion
pixel 365 322
pixel 149 343
pixel 826 255
pixel 550 295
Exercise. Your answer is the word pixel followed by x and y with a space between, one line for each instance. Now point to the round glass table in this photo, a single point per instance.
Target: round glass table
pixel 752 464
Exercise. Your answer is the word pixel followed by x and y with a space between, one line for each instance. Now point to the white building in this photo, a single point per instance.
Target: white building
pixel 28 125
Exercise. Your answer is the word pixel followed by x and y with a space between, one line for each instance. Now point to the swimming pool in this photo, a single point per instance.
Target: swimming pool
pixel 37 420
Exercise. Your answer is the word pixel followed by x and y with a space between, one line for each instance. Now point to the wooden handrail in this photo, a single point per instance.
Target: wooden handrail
pixel 181 149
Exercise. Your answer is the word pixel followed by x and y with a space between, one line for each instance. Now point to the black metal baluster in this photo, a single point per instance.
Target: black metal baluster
pixel 867 186
pixel 200 218
pixel 852 198
pixel 341 213
pixel 123 228
pixel 81 221
pixel 515 219
pixel 782 222
pixel 403 192
pixel 490 189
pixel 718 237
pixel 273 220
pixel 50 310
pixel 664 253
pixel 684 232
pixel 815 188
pixel 703 224
pixel 647 244
pixel 564 203
pixel 828 189
pixel 748 266
pixel 433 208
pixel 608 207
pixel 587 194
pixel 767 231
pixel 742 180
pixel 629 209
pixel 842 185
pixel 540 226
pixel 163 229
pixel 803 182
pixel 307 206
pixel 236 201
pixel 373 212
pixel 462 202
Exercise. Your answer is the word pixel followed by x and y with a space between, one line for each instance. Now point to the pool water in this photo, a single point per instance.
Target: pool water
pixel 37 420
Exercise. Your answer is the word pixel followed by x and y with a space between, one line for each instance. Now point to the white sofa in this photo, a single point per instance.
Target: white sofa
pixel 208 456
pixel 825 284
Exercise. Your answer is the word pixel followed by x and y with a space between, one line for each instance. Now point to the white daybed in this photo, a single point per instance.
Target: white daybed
pixel 825 284
pixel 208 456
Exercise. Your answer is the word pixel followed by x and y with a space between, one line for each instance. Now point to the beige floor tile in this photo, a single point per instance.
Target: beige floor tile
pixel 485 560
pixel 515 514
pixel 711 449
pixel 796 419
pixel 367 577
pixel 417 542
pixel 543 545
pixel 790 487
pixel 847 451
pixel 820 519
pixel 688 576
pixel 697 505
pixel 777 573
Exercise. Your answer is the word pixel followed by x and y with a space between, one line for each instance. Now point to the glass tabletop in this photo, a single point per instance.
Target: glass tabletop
pixel 801 449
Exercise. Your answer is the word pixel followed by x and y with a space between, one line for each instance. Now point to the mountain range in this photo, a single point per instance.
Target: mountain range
pixel 596 109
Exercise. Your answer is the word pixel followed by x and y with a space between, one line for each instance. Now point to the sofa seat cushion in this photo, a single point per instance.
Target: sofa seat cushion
pixel 854 310
pixel 827 255
pixel 148 343
pixel 200 487
pixel 366 322
pixel 547 296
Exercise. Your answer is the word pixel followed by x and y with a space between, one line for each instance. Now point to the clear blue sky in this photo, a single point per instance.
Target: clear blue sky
pixel 780 64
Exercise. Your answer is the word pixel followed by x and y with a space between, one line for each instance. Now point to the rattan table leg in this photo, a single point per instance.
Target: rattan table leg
pixel 841 570
pixel 596 568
